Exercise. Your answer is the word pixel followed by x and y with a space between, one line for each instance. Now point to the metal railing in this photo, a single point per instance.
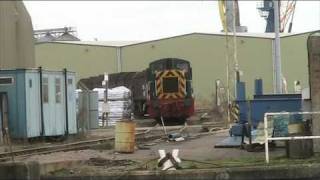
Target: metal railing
pixel 267 139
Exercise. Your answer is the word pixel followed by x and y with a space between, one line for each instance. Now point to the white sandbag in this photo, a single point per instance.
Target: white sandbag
pixel 119 93
pixel 119 103
pixel 100 93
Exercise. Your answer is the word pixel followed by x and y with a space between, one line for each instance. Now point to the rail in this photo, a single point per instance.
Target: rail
pixel 267 139
pixel 79 145
pixel 53 148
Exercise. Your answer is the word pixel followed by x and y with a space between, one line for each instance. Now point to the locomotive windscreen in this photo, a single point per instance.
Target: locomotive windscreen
pixel 170 84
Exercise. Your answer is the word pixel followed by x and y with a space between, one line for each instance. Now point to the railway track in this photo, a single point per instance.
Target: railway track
pixel 59 147
pixel 53 148
pixel 140 136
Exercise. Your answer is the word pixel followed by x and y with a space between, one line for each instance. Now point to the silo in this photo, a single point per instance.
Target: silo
pixel 67 37
pixel 16 36
pixel 8 19
pixel 46 38
pixel 25 39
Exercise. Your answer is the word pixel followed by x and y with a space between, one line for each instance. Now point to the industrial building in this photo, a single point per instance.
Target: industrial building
pixel 271 90
pixel 206 52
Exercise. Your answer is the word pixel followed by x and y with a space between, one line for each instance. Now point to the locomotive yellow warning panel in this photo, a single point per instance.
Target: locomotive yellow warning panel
pixel 171 84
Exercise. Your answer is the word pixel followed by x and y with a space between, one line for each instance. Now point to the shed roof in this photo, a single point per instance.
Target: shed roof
pixel 101 43
pixel 130 43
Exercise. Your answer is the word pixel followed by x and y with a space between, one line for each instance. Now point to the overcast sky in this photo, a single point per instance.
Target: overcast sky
pixel 143 20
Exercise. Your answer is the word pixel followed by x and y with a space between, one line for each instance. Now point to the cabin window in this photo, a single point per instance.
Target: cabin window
pixel 157 67
pixel 6 80
pixel 58 90
pixel 170 84
pixel 45 90
pixel 70 81
pixel 30 83
pixel 183 66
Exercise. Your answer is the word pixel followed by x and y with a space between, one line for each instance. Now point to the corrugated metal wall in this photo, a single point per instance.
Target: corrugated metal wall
pixel 294 57
pixel 85 60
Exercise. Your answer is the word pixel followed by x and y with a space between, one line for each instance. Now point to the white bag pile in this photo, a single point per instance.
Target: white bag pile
pixel 119 103
pixel 119 100
pixel 119 93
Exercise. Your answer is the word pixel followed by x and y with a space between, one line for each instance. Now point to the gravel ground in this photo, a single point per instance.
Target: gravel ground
pixel 199 148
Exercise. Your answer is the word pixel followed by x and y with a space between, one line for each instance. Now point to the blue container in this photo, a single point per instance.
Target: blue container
pixel 22 87
pixel 261 104
pixel 288 103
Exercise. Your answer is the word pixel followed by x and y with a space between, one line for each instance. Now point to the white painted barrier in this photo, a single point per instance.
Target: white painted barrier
pixel 267 139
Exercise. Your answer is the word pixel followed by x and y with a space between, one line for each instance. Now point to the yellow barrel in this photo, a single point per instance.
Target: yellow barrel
pixel 125 136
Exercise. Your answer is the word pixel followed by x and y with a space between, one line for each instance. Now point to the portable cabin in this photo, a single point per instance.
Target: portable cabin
pixel 40 102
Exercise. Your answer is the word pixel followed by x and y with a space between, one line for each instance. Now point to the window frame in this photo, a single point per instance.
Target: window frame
pixel 7 77
pixel 58 90
pixel 45 92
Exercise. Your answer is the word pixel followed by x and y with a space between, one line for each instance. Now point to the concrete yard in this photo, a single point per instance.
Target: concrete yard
pixel 195 148
pixel 196 151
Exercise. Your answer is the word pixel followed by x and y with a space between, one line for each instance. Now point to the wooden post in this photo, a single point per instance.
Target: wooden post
pixel 314 81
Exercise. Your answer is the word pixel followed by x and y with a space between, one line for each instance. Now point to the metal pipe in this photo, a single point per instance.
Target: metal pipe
pixel 293 138
pixel 119 59
pixel 164 128
pixel 105 100
pixel 66 99
pixel 266 139
pixel 278 72
pixel 249 121
pixel 235 54
pixel 41 102
pixel 228 76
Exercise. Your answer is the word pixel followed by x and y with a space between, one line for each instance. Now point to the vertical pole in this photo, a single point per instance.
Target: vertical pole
pixel 105 100
pixel 119 59
pixel 266 137
pixel 228 71
pixel 66 99
pixel 41 102
pixel 235 53
pixel 2 132
pixel 228 81
pixel 249 120
pixel 218 100
pixel 278 72
pixel 106 86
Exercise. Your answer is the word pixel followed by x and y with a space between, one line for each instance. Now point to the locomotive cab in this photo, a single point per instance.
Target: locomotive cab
pixel 170 90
